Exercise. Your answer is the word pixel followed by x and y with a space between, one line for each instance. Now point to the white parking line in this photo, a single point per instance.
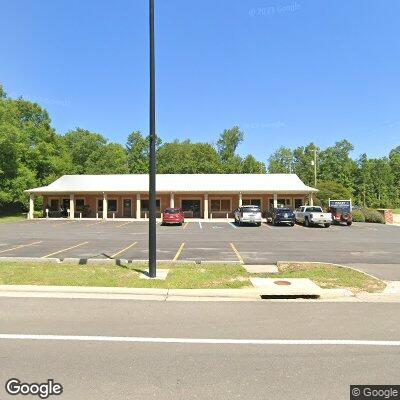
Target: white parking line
pixel 233 225
pixel 165 340
pixel 201 226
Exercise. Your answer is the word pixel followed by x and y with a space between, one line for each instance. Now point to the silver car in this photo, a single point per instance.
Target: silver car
pixel 248 215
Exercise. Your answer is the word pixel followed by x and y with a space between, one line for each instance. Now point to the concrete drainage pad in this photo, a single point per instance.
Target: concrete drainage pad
pixel 286 288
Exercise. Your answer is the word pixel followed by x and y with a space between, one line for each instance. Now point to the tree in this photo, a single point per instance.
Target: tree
pixel 335 164
pixel 281 161
pixel 302 159
pixel 30 150
pixel 187 158
pixel 331 190
pixel 81 145
pixel 108 159
pixel 228 142
pixel 251 166
pixel 137 148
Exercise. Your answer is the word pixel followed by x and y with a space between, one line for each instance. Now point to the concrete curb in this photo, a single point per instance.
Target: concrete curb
pixel 112 293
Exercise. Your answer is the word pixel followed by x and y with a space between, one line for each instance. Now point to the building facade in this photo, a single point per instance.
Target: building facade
pixel 203 196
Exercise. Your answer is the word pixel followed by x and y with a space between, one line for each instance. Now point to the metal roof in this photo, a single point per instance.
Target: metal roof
pixel 200 183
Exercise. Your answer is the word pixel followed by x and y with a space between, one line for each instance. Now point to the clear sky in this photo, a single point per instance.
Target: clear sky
pixel 288 72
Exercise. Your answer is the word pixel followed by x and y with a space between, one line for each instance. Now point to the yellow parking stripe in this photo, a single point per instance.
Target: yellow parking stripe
pixel 126 223
pixel 237 253
pixel 178 253
pixel 121 251
pixel 61 251
pixel 98 222
pixel 185 226
pixel 20 246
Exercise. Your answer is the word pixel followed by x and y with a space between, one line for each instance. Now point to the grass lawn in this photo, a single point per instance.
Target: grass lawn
pixel 181 276
pixel 396 211
pixel 12 218
pixel 329 276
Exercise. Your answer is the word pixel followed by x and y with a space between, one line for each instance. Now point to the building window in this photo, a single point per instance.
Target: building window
pixel 144 205
pixel 54 205
pixel 79 204
pixel 220 205
pixel 252 202
pixel 111 205
pixel 282 202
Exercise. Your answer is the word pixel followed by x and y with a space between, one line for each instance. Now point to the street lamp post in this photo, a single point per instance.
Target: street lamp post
pixel 152 161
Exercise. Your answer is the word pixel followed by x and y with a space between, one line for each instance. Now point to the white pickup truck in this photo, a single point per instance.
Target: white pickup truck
pixel 312 215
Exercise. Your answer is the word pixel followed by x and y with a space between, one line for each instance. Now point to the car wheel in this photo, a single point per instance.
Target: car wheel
pixel 292 224
pixel 258 224
pixel 327 225
pixel 349 223
pixel 307 222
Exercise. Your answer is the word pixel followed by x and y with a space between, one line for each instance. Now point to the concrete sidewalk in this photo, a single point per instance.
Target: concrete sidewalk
pixel 249 294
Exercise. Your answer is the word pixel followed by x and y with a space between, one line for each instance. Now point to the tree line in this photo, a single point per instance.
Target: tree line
pixel 33 154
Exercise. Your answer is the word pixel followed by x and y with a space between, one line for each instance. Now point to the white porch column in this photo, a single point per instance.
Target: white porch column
pixel 172 200
pixel 311 197
pixel 138 211
pixel 31 206
pixel 275 200
pixel 71 206
pixel 206 206
pixel 105 206
pixel 240 200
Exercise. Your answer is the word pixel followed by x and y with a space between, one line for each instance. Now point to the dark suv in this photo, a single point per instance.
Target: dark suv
pixel 281 215
pixel 341 214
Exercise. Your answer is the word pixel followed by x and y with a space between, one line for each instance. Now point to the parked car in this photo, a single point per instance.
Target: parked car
pixel 341 215
pixel 173 216
pixel 281 215
pixel 248 215
pixel 313 215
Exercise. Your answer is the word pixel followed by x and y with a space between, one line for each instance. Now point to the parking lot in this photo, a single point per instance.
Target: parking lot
pixel 363 245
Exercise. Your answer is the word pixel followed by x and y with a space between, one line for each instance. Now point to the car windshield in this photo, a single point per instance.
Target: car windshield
pixel 171 211
pixel 251 209
pixel 283 210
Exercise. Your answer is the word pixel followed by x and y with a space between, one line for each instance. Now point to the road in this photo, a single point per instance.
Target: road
pixel 139 370
pixel 373 248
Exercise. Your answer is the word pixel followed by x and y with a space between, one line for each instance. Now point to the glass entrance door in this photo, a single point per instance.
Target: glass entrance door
pixel 127 209
pixel 191 208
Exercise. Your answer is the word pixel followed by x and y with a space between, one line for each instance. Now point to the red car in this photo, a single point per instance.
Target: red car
pixel 173 216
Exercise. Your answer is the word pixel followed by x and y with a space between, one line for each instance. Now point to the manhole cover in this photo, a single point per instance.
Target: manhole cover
pixel 282 283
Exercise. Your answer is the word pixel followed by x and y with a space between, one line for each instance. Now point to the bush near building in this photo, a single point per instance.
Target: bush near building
pixel 368 215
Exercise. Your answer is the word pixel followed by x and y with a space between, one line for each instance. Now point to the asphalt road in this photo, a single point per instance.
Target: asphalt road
pixel 117 370
pixel 368 246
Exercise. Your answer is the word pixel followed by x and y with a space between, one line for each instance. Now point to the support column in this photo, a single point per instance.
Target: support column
pixel 105 206
pixel 71 206
pixel 31 206
pixel 138 210
pixel 240 200
pixel 171 200
pixel 275 200
pixel 205 206
pixel 311 197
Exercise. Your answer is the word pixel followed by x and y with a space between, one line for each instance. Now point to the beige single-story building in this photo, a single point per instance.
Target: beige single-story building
pixel 202 196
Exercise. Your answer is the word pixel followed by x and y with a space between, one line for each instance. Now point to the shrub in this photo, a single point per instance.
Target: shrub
pixel 373 216
pixel 358 216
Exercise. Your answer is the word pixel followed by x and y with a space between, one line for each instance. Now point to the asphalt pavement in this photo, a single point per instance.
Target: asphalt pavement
pixel 100 369
pixel 374 248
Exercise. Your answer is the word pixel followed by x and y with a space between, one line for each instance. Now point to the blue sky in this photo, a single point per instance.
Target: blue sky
pixel 288 72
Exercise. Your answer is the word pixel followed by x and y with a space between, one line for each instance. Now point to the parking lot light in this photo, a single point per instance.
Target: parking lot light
pixel 152 161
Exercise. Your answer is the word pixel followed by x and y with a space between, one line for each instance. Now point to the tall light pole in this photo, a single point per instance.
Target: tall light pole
pixel 152 161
